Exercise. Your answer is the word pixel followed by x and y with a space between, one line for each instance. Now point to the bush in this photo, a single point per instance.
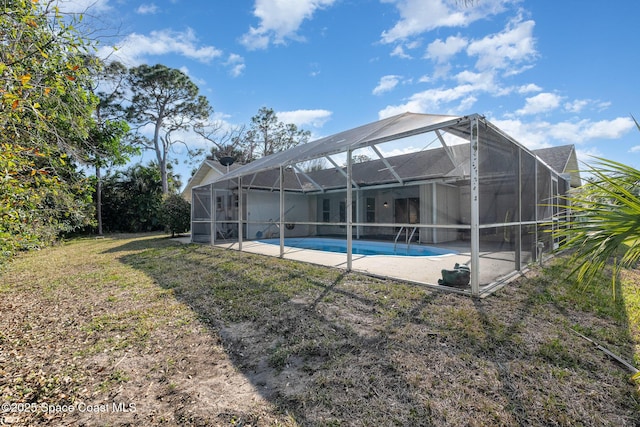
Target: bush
pixel 175 214
pixel 132 199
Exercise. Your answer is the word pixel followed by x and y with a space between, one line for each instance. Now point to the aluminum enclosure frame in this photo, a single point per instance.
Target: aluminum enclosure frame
pixel 281 173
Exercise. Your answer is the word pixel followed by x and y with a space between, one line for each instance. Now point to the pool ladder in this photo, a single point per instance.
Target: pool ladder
pixel 395 242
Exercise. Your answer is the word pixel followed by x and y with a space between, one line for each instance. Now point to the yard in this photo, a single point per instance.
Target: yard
pixel 142 330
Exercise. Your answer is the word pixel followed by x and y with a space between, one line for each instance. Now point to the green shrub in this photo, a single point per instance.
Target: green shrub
pixel 175 214
pixel 132 200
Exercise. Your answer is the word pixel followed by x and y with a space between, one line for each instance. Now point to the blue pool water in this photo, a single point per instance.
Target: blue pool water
pixel 360 247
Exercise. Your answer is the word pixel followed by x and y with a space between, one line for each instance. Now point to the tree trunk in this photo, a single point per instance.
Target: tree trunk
pixel 163 176
pixel 161 148
pixel 99 200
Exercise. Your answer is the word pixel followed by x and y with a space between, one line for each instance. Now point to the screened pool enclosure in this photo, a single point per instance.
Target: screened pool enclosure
pixel 456 184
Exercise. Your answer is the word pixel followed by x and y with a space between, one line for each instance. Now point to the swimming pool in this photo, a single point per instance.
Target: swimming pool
pixel 360 247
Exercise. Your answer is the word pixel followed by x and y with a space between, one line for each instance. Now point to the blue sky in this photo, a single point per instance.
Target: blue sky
pixel 547 73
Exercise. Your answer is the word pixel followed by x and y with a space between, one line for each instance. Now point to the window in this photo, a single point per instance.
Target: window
pixel 343 213
pixel 219 206
pixel 371 209
pixel 326 210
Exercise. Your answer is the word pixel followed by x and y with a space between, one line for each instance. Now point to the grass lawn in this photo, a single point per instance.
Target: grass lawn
pixel 141 330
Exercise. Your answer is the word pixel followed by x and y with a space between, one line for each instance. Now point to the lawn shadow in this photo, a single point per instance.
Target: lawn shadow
pixel 140 241
pixel 329 347
pixel 307 341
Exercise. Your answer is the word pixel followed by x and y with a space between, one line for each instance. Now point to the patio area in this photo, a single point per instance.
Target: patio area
pixel 420 270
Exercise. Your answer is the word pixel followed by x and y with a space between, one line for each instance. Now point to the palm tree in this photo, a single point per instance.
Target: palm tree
pixel 605 224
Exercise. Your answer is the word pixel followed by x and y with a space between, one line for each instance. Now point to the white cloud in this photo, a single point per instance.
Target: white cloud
pixel 540 134
pixel 514 45
pixel 386 84
pixel 136 48
pixel 83 6
pixel 419 16
pixel 236 65
pixel 573 132
pixel 455 100
pixel 585 156
pixel 147 9
pixel 441 51
pixel 577 105
pixel 399 52
pixel 480 81
pixel 279 21
pixel 609 129
pixel 432 100
pixel 498 54
pixel 531 87
pixel 540 103
pixel 522 132
pixel 300 118
pixel 507 52
pixel 255 39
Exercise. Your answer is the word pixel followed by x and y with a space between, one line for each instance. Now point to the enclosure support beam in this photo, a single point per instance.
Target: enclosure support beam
pixel 251 182
pixel 387 164
pixel 240 213
pixel 212 215
pixel 475 208
pixel 434 212
pixel 538 242
pixel 445 146
pixel 518 231
pixel 349 211
pixel 339 169
pixel 281 221
pixel 358 214
pixel 306 175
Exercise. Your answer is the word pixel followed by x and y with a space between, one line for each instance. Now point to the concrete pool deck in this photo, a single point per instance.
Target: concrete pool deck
pixel 423 270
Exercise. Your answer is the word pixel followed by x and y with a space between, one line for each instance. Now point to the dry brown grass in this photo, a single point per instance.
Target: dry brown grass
pixel 192 335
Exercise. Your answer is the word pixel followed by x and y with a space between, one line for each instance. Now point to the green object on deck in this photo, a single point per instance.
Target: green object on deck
pixel 459 276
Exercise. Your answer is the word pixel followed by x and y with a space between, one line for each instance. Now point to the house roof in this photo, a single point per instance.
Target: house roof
pixel 563 160
pixel 425 165
pixel 198 178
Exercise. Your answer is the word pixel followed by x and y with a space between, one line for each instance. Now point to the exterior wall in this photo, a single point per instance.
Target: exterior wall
pixel 263 214
pixel 440 204
pixel 384 214
pixel 446 211
pixel 210 176
pixel 327 209
pixel 369 207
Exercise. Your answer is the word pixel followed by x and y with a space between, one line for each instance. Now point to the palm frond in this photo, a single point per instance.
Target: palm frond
pixel 605 221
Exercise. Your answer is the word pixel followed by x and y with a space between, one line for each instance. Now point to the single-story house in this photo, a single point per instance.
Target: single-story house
pixel 468 186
